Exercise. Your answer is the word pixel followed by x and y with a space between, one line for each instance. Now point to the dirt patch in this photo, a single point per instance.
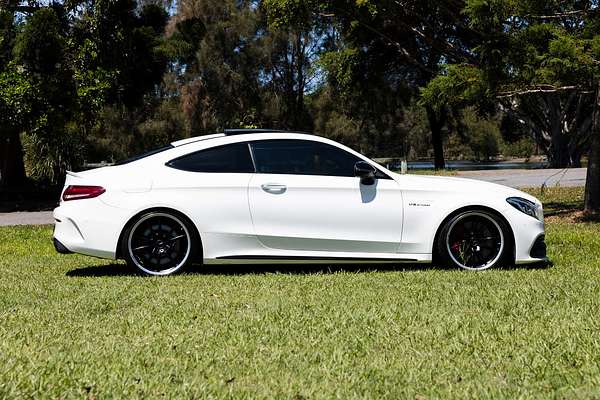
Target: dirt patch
pixel 572 216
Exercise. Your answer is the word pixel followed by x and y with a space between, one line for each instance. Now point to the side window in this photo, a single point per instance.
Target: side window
pixel 231 158
pixel 302 157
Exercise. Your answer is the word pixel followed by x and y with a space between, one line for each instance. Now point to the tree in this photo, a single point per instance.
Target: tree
pixel 534 52
pixel 214 44
pixel 117 49
pixel 15 106
pixel 406 41
pixel 234 70
pixel 41 52
pixel 60 65
pixel 119 60
pixel 560 123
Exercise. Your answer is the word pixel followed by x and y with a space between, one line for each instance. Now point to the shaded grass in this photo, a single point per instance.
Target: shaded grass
pixel 74 326
pixel 559 201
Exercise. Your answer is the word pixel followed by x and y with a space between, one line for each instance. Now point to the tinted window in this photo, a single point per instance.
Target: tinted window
pixel 230 158
pixel 302 157
pixel 144 155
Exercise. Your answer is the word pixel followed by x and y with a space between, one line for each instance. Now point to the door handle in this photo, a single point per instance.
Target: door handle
pixel 275 188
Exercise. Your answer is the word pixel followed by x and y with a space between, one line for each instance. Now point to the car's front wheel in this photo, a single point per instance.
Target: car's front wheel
pixel 159 243
pixel 473 240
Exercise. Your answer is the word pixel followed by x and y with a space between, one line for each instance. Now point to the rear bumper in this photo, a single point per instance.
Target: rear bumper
pixel 60 248
pixel 88 227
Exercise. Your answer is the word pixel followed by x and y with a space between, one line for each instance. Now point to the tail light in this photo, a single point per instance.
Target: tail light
pixel 77 192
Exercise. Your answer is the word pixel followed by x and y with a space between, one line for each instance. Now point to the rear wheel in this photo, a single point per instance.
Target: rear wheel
pixel 159 243
pixel 473 240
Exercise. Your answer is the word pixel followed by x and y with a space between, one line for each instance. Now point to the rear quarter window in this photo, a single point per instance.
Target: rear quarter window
pixel 144 155
pixel 229 158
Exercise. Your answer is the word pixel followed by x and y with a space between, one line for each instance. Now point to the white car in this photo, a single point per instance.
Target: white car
pixel 256 196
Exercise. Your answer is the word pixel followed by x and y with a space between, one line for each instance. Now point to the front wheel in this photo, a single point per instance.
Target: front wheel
pixel 158 243
pixel 473 240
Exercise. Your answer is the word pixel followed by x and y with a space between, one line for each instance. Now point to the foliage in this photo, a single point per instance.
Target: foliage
pixel 535 60
pixel 61 151
pixel 458 86
pixel 483 136
pixel 524 147
pixel 40 46
pixel 61 64
pixel 41 51
pixel 388 78
pixel 386 44
pixel 119 44
pixel 16 98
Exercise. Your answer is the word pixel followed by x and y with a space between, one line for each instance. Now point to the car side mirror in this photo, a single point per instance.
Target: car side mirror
pixel 366 172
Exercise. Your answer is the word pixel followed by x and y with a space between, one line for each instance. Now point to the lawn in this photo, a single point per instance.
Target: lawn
pixel 78 327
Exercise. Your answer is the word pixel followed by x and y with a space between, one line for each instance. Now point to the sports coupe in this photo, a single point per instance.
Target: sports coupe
pixel 264 196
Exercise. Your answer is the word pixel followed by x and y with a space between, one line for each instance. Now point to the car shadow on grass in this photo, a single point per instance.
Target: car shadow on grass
pixel 116 269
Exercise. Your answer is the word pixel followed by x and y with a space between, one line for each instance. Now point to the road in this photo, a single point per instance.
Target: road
pixel 513 177
pixel 520 178
pixel 26 218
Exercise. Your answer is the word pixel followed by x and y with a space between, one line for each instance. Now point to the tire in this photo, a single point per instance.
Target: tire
pixel 159 243
pixel 474 240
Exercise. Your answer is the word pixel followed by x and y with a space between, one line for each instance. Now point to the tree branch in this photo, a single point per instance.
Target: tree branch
pixel 16 6
pixel 541 89
pixel 387 40
pixel 557 15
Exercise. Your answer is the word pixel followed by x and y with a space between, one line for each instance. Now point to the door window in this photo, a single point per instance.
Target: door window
pixel 302 157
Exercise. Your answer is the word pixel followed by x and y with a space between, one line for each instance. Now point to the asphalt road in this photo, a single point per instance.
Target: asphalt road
pixel 521 178
pixel 513 177
pixel 26 218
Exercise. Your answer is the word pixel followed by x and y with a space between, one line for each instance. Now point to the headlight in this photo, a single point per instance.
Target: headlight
pixel 528 207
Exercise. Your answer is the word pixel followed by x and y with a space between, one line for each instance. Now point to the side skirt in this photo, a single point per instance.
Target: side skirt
pixel 256 259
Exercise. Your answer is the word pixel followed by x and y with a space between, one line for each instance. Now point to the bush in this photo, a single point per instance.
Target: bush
pixel 523 147
pixel 48 156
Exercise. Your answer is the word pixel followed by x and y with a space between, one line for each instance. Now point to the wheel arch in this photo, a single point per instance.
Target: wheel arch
pixel 196 233
pixel 511 241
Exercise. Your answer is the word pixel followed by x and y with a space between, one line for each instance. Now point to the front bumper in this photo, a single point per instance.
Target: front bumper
pixel 528 235
pixel 538 249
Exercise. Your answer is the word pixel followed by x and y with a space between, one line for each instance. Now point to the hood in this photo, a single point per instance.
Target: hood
pixel 459 185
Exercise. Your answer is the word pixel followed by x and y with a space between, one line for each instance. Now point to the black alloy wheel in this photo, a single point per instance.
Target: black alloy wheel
pixel 159 243
pixel 473 240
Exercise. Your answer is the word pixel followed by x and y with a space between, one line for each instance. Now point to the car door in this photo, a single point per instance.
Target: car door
pixel 304 196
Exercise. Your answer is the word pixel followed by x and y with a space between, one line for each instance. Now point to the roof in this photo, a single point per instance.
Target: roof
pixel 196 139
pixel 231 132
pixel 244 131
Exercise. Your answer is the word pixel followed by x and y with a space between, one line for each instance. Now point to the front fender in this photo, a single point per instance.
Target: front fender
pixel 425 212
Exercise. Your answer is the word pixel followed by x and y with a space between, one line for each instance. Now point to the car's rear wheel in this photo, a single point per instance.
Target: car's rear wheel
pixel 473 240
pixel 159 243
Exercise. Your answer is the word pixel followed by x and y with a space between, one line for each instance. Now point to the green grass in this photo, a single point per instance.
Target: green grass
pixel 78 327
pixel 559 201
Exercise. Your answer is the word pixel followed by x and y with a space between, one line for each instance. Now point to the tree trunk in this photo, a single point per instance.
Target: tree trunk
pixel 592 184
pixel 559 157
pixel 575 160
pixel 559 140
pixel 436 123
pixel 12 170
